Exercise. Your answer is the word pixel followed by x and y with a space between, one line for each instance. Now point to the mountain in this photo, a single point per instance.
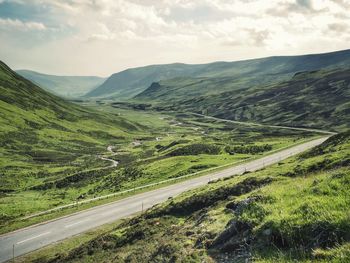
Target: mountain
pixel 66 86
pixel 294 211
pixel 130 82
pixel 318 99
pixel 241 74
pixel 43 136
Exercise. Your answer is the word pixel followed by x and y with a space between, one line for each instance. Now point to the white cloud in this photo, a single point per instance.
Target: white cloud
pixel 115 34
pixel 20 25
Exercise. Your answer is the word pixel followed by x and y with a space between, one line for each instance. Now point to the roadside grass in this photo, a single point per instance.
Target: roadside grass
pixel 272 215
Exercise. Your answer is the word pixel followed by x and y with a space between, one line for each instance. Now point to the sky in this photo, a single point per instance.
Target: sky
pixel 101 37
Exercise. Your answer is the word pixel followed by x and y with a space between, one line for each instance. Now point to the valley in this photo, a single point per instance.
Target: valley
pixel 166 147
pixel 65 86
pixel 237 130
pixel 174 131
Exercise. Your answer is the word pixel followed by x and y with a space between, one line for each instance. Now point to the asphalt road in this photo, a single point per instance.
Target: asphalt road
pixel 265 125
pixel 32 238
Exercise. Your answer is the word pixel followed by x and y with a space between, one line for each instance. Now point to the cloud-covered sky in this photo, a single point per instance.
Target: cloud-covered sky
pixel 100 37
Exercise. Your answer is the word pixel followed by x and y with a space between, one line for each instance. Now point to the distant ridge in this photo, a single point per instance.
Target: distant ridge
pixel 314 99
pixel 66 86
pixel 128 83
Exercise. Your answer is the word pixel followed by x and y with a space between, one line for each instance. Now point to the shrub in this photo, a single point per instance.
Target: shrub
pixel 195 149
pixel 248 149
pixel 206 199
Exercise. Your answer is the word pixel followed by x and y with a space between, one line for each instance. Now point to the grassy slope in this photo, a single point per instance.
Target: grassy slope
pixel 130 82
pixel 49 148
pixel 242 74
pixel 39 127
pixel 297 210
pixel 310 99
pixel 67 86
pixel 45 138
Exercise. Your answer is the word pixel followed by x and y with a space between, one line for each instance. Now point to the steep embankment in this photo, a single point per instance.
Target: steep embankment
pixel 296 210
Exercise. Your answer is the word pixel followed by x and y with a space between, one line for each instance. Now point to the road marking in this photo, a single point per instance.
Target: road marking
pixel 28 239
pixel 76 223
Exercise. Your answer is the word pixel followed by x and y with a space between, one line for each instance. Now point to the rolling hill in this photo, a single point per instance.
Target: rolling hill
pixel 130 82
pixel 308 99
pixel 42 135
pixel 241 74
pixel 66 86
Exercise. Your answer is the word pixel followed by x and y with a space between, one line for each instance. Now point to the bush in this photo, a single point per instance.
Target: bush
pixel 248 149
pixel 206 199
pixel 195 149
pixel 172 144
pixel 311 235
pixel 74 180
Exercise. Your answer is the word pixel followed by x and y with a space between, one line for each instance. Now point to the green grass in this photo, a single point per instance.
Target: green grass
pixel 49 149
pixel 45 139
pixel 277 214
pixel 38 185
pixel 34 201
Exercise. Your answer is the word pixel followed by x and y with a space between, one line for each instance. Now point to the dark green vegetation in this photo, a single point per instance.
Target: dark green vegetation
pixel 66 86
pixel 45 139
pixel 250 149
pixel 214 78
pixel 50 148
pixel 294 211
pixel 195 149
pixel 308 99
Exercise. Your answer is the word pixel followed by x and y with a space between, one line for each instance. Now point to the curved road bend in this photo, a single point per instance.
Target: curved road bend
pixel 114 163
pixel 35 237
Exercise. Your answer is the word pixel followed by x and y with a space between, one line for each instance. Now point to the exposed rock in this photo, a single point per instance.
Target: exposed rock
pixel 236 234
pixel 237 207
pixel 204 240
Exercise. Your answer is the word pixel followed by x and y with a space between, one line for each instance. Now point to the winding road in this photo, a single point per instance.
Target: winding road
pixel 29 239
pixel 114 163
pixel 265 125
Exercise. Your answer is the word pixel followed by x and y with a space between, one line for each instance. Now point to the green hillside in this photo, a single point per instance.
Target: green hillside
pixel 130 82
pixel 241 74
pixel 318 99
pixel 294 211
pixel 66 86
pixel 45 138
pixel 51 149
